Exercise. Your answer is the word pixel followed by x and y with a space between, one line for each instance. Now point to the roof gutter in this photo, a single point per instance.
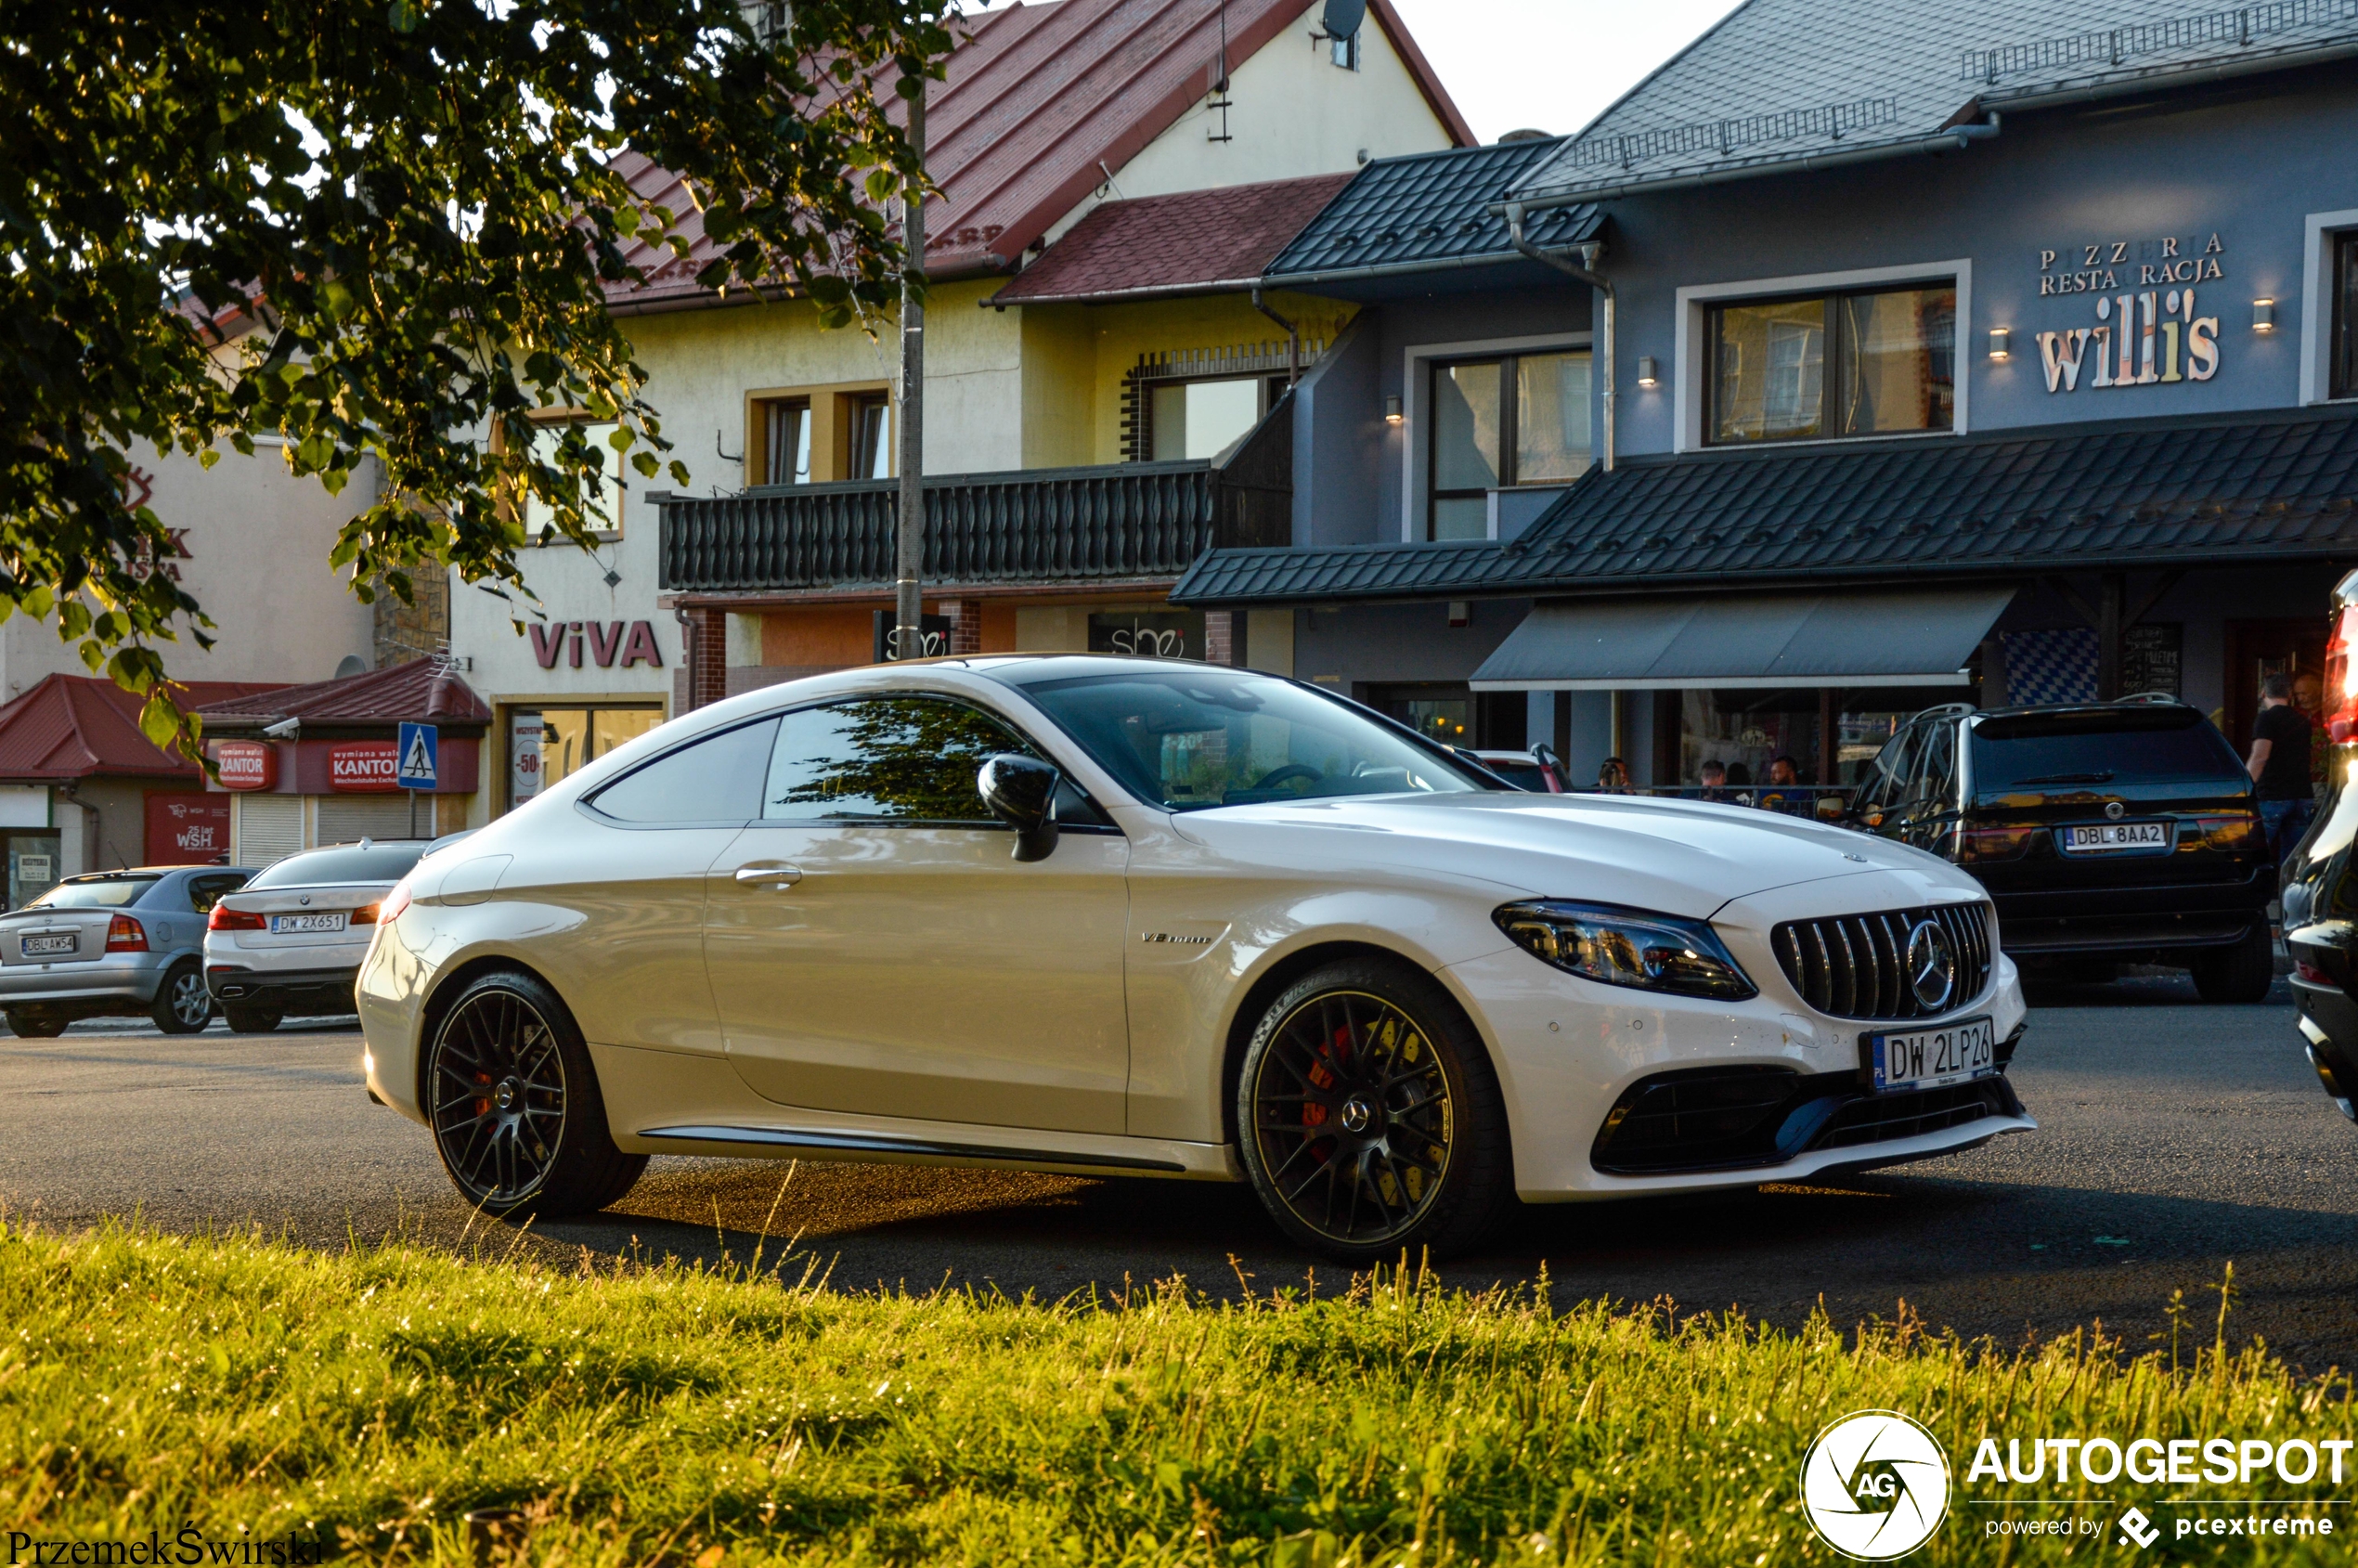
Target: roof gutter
pixel 1584 273
pixel 1001 300
pixel 1950 140
pixel 1386 269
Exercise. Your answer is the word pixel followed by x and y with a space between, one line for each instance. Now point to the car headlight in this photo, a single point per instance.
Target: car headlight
pixel 1627 947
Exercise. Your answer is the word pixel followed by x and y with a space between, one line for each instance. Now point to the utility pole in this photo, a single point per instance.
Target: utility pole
pixel 910 642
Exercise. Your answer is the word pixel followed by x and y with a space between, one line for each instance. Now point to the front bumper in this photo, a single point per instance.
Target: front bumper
pixel 2322 965
pixel 123 980
pixel 283 990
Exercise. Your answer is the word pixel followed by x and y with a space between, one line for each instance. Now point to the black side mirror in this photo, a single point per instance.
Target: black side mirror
pixel 1021 792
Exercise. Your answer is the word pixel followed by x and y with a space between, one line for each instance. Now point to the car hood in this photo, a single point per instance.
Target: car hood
pixel 1679 857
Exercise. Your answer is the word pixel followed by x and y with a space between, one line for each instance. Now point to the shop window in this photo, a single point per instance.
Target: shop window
pixel 549 744
pixel 2345 328
pixel 872 437
pixel 1204 419
pixel 601 512
pixel 1516 419
pixel 1344 52
pixel 785 445
pixel 1162 634
pixel 33 866
pixel 1865 363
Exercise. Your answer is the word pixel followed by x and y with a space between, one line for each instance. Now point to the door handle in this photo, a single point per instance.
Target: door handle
pixel 782 875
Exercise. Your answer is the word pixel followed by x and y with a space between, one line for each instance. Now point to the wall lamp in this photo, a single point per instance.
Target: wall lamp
pixel 2002 340
pixel 2263 315
pixel 1392 414
pixel 1649 373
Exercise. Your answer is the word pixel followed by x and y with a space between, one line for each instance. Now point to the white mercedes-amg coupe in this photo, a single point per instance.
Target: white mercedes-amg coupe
pixel 1133 916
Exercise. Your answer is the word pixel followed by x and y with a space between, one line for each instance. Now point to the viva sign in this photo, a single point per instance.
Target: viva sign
pixel 2148 334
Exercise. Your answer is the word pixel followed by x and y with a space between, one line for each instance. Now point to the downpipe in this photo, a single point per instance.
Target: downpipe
pixel 1584 273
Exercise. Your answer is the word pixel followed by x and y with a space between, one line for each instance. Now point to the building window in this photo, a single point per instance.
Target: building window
pixel 601 512
pixel 1344 52
pixel 1517 420
pixel 872 436
pixel 1203 419
pixel 785 445
pixel 546 744
pixel 1868 363
pixel 2345 295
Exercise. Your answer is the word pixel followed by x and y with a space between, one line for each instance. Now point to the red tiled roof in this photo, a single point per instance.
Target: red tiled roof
pixel 423 690
pixel 1175 244
pixel 1040 101
pixel 76 726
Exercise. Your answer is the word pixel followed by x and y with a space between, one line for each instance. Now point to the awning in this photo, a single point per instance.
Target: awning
pixel 1917 638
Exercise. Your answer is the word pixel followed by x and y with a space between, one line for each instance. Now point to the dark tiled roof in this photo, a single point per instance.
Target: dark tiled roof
pixel 1172 244
pixel 74 726
pixel 1431 209
pixel 2272 487
pixel 1040 99
pixel 1780 81
pixel 420 691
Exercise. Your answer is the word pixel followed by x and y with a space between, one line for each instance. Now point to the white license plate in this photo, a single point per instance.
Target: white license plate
pixel 35 947
pixel 2116 837
pixel 1927 1058
pixel 292 924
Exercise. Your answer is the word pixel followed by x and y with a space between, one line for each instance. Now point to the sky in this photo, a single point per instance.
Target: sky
pixel 1550 65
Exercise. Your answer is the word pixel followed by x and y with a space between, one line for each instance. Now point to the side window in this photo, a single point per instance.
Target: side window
pixel 714 780
pixel 885 760
pixel 1885 787
pixel 205 891
pixel 1937 767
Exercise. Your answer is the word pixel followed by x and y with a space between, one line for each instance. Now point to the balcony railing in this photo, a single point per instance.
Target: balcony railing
pixel 1132 521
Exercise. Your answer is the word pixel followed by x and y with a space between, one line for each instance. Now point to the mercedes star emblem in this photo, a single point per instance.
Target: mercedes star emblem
pixel 1932 966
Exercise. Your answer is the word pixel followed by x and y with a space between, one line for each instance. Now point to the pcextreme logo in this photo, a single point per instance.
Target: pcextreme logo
pixel 1874 1486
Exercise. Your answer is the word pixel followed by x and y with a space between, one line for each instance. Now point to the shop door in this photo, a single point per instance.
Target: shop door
pixel 2255 650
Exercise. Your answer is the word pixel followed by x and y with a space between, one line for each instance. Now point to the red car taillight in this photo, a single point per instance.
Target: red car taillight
pixel 1992 843
pixel 126 935
pixel 223 919
pixel 2240 833
pixel 2341 699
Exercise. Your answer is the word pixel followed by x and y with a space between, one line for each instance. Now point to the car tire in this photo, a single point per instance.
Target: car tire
pixel 183 1005
pixel 35 1025
pixel 2241 973
pixel 514 1107
pixel 1368 1116
pixel 251 1020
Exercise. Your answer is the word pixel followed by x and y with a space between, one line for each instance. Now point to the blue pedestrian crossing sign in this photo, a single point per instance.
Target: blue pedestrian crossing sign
pixel 416 749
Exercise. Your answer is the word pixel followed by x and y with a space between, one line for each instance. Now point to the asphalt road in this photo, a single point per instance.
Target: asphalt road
pixel 2174 1138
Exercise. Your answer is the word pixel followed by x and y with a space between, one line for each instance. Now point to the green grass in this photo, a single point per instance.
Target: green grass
pixel 660 1414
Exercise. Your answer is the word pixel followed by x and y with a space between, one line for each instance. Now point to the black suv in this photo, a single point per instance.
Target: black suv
pixel 2106 832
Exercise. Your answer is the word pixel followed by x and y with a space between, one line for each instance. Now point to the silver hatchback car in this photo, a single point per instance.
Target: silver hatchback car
pixel 113 944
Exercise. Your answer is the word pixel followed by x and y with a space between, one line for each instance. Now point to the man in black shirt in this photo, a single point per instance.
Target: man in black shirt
pixel 2279 766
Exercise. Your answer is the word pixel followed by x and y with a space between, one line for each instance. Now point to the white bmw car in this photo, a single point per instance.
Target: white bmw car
pixel 1132 916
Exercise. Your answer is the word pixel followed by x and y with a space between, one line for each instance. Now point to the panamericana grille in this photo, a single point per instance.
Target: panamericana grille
pixel 1856 965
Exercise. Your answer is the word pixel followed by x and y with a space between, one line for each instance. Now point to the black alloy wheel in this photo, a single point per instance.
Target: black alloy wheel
pixel 183 1006
pixel 1370 1117
pixel 515 1104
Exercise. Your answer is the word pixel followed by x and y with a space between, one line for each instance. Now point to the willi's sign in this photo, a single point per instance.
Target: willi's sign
pixel 2148 334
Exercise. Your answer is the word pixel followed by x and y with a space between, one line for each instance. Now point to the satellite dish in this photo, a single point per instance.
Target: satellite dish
pixel 1343 17
pixel 350 666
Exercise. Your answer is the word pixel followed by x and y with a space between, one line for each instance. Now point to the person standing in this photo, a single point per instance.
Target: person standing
pixel 2279 766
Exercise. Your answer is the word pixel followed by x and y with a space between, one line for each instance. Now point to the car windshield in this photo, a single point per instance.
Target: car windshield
pixel 377 862
pixel 94 892
pixel 2034 751
pixel 1189 739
